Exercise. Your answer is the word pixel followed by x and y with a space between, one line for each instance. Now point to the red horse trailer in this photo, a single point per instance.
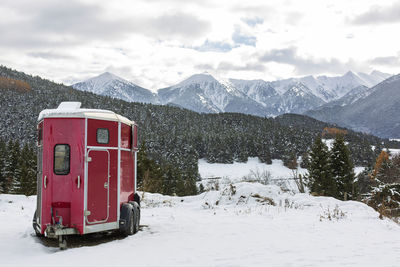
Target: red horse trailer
pixel 86 173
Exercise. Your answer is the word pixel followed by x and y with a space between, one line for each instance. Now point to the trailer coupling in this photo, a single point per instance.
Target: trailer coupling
pixel 54 231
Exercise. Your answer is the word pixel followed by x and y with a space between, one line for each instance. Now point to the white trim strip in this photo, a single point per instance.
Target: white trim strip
pixel 119 170
pixel 108 148
pixel 85 184
pixel 41 180
pixel 135 159
pixel 102 147
pixel 102 227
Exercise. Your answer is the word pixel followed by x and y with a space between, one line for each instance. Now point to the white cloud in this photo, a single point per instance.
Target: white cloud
pixel 159 42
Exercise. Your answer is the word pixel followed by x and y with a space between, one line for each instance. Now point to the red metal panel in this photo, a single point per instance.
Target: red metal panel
pixel 94 124
pixel 113 185
pixel 98 186
pixel 60 193
pixel 127 177
pixel 97 193
pixel 126 133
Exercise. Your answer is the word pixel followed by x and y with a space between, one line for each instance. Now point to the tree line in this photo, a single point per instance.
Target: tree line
pixel 178 138
pixel 17 168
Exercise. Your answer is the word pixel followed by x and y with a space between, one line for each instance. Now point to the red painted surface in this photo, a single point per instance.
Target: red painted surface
pixel 127 173
pixel 98 188
pixel 126 140
pixel 61 196
pixel 97 169
pixel 94 124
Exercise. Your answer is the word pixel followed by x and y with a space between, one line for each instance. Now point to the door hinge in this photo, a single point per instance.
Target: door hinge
pixel 86 213
pixel 88 159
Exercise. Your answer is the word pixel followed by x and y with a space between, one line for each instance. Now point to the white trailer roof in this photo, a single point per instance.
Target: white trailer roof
pixel 73 110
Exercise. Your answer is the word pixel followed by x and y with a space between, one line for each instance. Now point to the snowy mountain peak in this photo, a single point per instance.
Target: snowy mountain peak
pixel 207 92
pixel 350 74
pixel 204 77
pixel 105 78
pixel 111 85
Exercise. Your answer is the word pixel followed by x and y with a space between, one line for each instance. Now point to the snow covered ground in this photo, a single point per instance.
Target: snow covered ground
pixel 246 224
pixel 238 170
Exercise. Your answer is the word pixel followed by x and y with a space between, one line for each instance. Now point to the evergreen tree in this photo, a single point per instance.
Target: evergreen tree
pixel 27 171
pixel 11 168
pixel 320 179
pixel 342 169
pixel 2 162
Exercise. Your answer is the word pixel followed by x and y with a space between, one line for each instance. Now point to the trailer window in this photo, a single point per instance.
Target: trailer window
pixel 102 136
pixel 61 159
pixel 40 136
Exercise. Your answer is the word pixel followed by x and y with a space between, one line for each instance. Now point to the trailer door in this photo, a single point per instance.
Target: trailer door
pixel 98 191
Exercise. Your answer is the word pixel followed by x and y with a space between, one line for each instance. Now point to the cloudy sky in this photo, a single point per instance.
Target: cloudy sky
pixel 157 43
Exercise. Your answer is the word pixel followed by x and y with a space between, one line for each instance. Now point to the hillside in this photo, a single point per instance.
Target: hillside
pixel 174 134
pixel 376 113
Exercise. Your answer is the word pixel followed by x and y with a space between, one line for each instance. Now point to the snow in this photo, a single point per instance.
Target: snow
pixel 394 151
pixel 236 226
pixel 358 170
pixel 99 83
pixel 328 142
pixel 69 111
pixel 69 105
pixel 236 171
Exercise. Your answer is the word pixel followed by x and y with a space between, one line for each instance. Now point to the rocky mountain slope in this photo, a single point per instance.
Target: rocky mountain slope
pixel 108 84
pixel 377 112
pixel 207 93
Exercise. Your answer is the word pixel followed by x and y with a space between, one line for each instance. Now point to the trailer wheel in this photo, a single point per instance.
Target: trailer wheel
pixel 34 224
pixel 126 225
pixel 132 224
pixel 136 212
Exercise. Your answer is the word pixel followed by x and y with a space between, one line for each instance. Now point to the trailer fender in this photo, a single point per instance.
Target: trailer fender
pixel 136 198
pixel 125 217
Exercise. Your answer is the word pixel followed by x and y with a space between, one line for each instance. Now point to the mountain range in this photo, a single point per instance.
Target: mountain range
pixel 321 97
pixel 208 93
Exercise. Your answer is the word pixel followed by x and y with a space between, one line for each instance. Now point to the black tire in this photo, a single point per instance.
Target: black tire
pixel 126 219
pixel 136 213
pixel 131 227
